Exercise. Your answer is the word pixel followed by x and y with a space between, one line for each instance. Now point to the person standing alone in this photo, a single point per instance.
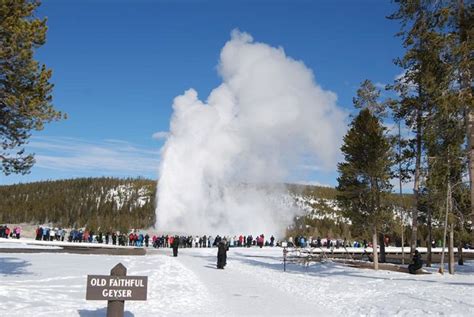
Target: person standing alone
pixel 222 249
pixel 175 245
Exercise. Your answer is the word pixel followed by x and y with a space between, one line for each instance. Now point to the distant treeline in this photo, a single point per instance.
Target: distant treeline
pixel 96 203
pixel 105 203
pixel 120 204
pixel 321 192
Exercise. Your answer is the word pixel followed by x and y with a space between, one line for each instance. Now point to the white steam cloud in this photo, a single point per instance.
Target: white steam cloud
pixel 223 158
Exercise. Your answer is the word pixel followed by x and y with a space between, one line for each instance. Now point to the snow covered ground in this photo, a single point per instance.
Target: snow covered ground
pixel 253 283
pixel 28 243
pixel 25 244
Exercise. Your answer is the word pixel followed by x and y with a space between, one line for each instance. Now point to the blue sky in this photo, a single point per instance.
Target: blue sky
pixel 117 65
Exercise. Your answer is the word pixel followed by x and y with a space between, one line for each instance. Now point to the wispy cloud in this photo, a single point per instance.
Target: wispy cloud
pixel 380 85
pixel 310 167
pixel 311 183
pixel 160 135
pixel 79 155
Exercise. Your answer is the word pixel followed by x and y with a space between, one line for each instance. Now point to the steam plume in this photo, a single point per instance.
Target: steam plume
pixel 223 158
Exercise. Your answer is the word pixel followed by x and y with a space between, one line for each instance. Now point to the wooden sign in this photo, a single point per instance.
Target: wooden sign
pixel 106 287
pixel 116 288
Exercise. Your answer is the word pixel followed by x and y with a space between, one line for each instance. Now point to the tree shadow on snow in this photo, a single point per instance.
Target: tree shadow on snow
pixel 276 258
pixel 13 266
pixel 208 257
pixel 209 266
pixel 320 271
pixel 212 264
pixel 100 312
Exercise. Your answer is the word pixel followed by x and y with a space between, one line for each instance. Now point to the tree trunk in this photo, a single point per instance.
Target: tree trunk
pixel 470 142
pixel 382 248
pixel 451 249
pixel 470 158
pixel 403 244
pixel 430 238
pixel 374 247
pixel 448 192
pixel 416 185
pixel 460 254
pixel 402 212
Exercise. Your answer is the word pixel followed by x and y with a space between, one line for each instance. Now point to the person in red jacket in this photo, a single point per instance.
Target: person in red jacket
pixel 39 233
pixel 135 239
pixel 85 236
pixel 175 245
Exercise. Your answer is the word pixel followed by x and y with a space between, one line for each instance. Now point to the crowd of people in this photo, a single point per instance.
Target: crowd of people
pixel 303 242
pixel 137 238
pixel 7 232
pixel 142 239
pixel 208 241
pixel 84 235
pixel 50 234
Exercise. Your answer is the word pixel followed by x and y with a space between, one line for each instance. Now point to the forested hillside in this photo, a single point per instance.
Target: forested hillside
pixel 109 203
pixel 121 204
pixel 103 202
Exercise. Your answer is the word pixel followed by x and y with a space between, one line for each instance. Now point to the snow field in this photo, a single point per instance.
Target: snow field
pixel 252 284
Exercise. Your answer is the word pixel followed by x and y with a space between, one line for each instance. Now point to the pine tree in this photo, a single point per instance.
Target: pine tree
pixel 367 98
pixel 365 174
pixel 25 90
pixel 437 89
pixel 423 43
pixel 462 31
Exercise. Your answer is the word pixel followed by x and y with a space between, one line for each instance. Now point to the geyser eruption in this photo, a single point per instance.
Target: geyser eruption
pixel 224 158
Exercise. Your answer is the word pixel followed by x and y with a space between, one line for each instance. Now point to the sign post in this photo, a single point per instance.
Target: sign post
pixel 116 288
pixel 116 307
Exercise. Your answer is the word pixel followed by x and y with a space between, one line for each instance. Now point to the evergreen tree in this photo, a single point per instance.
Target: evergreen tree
pixel 365 174
pixel 462 33
pixel 367 98
pixel 444 139
pixel 25 90
pixel 94 198
pixel 437 91
pixel 424 44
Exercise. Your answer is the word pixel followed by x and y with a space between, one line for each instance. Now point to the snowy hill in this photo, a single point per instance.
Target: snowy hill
pixel 126 193
pixel 125 203
pixel 94 202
